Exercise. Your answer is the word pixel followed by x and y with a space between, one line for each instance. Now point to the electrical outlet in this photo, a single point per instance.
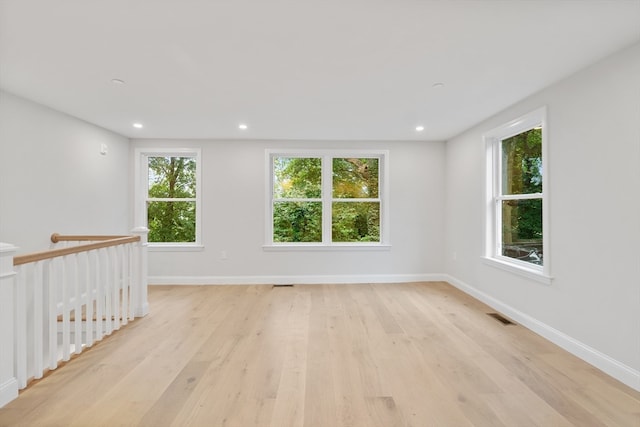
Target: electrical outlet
pixel 223 254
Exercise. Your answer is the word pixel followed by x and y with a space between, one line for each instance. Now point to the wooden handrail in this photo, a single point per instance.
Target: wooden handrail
pixel 55 238
pixel 54 253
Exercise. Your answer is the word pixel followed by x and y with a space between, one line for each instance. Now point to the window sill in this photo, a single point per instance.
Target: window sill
pixel 155 247
pixel 330 248
pixel 529 273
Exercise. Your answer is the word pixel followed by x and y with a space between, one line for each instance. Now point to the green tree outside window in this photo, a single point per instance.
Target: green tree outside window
pixel 171 202
pixel 298 201
pixel 522 175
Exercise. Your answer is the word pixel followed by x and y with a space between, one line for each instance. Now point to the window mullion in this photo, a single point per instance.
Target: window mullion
pixel 171 199
pixel 362 200
pixel 526 196
pixel 327 193
pixel 297 199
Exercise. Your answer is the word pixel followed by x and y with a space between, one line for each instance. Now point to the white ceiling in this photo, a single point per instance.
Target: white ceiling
pixel 303 69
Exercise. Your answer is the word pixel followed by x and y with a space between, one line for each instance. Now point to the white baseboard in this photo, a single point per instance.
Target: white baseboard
pixel 303 280
pixel 610 366
pixel 8 391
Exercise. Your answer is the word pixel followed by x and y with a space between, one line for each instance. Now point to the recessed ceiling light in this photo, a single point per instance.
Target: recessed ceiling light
pixel 117 81
pixel 243 126
pixel 138 125
pixel 419 128
pixel 437 85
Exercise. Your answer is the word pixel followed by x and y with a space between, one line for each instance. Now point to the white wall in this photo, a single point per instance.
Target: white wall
pixel 593 304
pixel 54 179
pixel 233 174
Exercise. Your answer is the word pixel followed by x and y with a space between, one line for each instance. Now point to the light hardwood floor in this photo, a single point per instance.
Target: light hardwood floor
pixel 418 354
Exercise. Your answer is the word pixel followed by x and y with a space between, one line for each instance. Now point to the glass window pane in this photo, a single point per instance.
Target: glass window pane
pixel 355 178
pixel 355 221
pixel 297 177
pixel 297 222
pixel 172 177
pixel 171 221
pixel 522 230
pixel 522 163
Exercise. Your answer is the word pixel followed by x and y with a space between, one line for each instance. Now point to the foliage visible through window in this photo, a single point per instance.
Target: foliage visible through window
pixel 297 208
pixel 351 206
pixel 520 196
pixel 171 199
pixel 355 208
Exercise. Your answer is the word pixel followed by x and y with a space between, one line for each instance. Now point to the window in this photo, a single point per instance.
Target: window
pixel 297 199
pixel 326 199
pixel 516 225
pixel 169 197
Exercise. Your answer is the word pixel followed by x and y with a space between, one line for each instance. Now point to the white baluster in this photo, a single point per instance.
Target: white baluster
pixel 125 284
pixel 89 297
pixel 66 310
pixel 117 283
pixel 21 327
pixel 98 278
pixel 130 272
pixel 52 297
pixel 38 309
pixel 108 293
pixel 77 309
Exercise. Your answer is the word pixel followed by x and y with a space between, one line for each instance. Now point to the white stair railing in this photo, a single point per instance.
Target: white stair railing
pixel 55 303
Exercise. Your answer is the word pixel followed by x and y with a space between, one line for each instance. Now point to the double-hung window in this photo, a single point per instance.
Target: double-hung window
pixel 517 207
pixel 326 199
pixel 169 197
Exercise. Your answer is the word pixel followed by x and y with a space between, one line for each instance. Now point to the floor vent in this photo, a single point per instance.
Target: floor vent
pixel 283 286
pixel 500 318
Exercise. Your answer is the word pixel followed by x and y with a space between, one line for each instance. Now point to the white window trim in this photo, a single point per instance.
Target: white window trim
pixel 141 191
pixel 326 244
pixel 492 141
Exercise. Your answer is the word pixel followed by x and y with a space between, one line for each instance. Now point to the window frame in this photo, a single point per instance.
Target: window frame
pixel 327 199
pixel 142 156
pixel 494 197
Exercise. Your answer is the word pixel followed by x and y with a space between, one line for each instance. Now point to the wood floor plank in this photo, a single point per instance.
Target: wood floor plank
pixel 415 354
pixel 288 408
